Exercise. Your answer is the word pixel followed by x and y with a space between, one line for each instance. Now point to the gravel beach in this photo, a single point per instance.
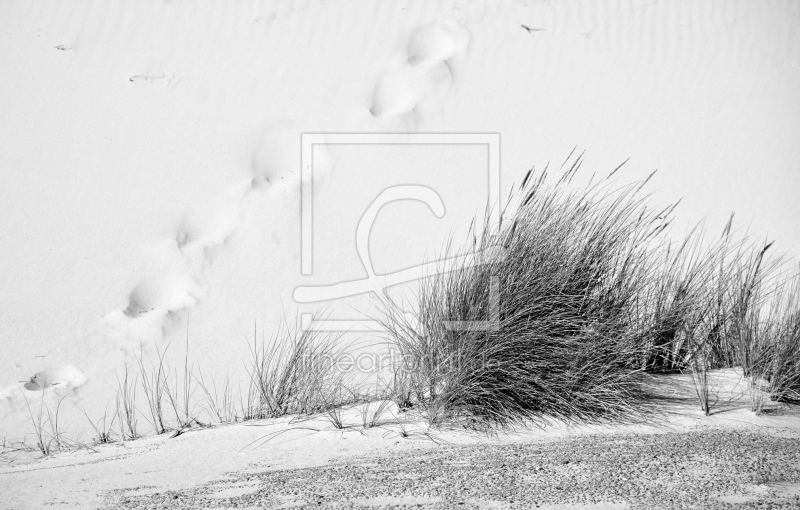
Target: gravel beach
pixel 704 469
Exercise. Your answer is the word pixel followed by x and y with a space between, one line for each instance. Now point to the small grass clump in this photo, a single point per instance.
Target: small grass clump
pixel 126 406
pixel 769 346
pixel 294 372
pixel 49 436
pixel 155 387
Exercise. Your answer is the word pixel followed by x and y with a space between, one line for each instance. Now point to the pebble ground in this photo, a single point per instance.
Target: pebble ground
pixel 704 469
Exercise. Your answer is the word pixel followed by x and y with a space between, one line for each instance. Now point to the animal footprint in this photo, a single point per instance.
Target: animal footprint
pixel 276 158
pixel 426 71
pixel 400 92
pixel 168 292
pixel 437 43
pixel 168 284
pixel 61 377
pixel 210 226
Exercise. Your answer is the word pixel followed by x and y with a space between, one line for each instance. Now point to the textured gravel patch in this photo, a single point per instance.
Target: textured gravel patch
pixel 708 469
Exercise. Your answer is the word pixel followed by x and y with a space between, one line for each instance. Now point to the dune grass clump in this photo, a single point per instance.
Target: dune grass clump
pixel 718 304
pixel 784 370
pixel 538 323
pixel 768 345
pixel 691 312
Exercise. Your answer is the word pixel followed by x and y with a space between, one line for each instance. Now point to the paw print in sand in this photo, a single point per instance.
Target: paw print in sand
pixel 425 73
pixel 64 376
